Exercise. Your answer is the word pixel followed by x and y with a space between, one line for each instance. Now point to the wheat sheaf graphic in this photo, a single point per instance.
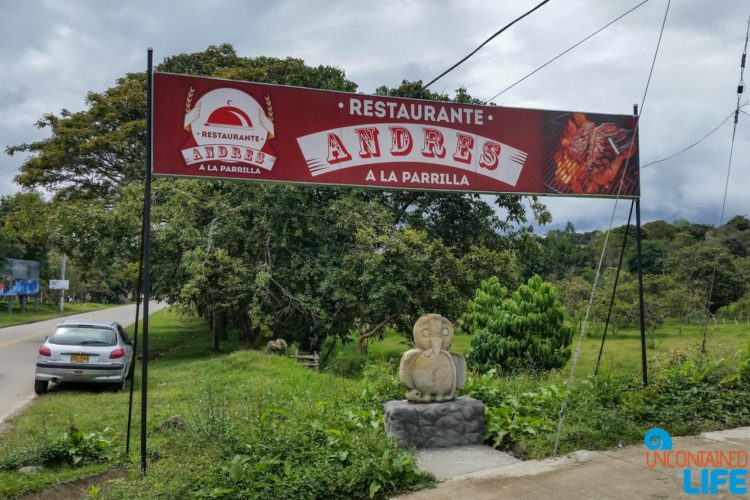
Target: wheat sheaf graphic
pixel 269 106
pixel 189 101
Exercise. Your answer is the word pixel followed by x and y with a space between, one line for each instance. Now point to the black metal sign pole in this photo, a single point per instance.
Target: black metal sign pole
pixel 138 289
pixel 146 257
pixel 640 288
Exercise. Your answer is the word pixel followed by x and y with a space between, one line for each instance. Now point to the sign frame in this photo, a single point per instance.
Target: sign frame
pixel 228 129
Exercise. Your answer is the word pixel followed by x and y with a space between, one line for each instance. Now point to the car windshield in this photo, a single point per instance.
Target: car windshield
pixel 83 335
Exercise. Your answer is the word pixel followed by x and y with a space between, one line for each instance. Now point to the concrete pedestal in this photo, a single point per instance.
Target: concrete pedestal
pixel 435 425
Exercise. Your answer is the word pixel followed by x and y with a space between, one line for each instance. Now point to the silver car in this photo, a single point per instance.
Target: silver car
pixel 84 351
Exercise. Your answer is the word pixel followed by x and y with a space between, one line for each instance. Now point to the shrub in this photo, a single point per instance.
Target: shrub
pixel 210 420
pixel 525 415
pixel 346 363
pixel 289 448
pixel 524 332
pixel 381 385
pixel 40 450
pixel 73 447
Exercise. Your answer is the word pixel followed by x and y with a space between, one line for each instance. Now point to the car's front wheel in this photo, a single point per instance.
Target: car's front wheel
pixel 40 386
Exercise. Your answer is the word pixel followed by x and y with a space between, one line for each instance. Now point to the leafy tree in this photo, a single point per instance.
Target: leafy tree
pixel 89 154
pixel 24 229
pixel 734 236
pixel 672 298
pixel 742 264
pixel 523 332
pixel 625 304
pixel 653 255
pixel 574 293
pixel 566 252
pixel 658 230
pixel 738 310
pixel 481 263
pixel 698 265
pixel 696 231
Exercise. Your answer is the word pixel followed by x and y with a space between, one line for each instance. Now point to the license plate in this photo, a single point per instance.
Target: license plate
pixel 79 358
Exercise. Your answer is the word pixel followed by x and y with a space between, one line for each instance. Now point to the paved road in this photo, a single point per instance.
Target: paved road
pixel 18 349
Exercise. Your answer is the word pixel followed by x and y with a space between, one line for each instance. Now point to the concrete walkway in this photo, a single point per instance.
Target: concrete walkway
pixel 617 474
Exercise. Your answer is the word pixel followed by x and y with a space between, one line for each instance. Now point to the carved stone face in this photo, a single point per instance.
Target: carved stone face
pixel 433 332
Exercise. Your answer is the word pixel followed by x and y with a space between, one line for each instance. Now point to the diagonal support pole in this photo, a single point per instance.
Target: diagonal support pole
pixel 614 289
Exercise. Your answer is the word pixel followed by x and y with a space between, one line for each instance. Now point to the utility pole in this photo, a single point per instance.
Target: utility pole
pixel 62 292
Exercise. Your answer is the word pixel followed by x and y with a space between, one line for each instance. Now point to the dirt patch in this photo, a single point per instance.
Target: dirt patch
pixel 76 489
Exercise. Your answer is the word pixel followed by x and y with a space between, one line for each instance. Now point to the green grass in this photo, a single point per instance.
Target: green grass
pixel 621 355
pixel 622 352
pixel 171 341
pixel 46 311
pixel 226 398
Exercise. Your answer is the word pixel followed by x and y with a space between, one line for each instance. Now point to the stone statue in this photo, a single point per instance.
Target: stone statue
pixel 431 373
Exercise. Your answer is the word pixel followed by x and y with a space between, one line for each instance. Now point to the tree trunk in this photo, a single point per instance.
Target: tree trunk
pixel 363 336
pixel 249 334
pixel 216 329
pixel 222 315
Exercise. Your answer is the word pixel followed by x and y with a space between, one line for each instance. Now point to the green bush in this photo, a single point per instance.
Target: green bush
pixel 346 363
pixel 528 414
pixel 289 448
pixel 40 450
pixel 74 447
pixel 694 393
pixel 524 332
pixel 381 385
pixel 689 393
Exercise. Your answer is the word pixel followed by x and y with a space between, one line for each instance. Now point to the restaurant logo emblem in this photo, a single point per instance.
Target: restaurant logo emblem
pixel 229 129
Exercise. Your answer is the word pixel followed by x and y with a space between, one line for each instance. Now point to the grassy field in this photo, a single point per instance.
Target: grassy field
pixel 622 352
pixel 225 398
pixel 621 355
pixel 46 311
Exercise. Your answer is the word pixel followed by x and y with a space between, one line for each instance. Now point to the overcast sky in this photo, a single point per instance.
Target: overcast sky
pixel 55 51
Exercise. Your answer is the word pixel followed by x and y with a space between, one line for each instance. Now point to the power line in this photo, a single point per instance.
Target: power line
pixel 686 148
pixel 416 94
pixel 558 56
pixel 584 324
pixel 740 89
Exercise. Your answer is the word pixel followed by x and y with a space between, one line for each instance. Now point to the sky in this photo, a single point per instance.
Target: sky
pixel 54 52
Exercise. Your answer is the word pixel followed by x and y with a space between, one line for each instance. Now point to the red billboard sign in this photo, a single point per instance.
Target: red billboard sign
pixel 205 127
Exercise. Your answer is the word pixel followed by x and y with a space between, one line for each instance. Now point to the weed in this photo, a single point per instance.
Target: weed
pixel 73 447
pixel 210 420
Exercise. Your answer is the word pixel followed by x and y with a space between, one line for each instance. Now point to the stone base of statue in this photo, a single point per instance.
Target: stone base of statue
pixel 435 425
